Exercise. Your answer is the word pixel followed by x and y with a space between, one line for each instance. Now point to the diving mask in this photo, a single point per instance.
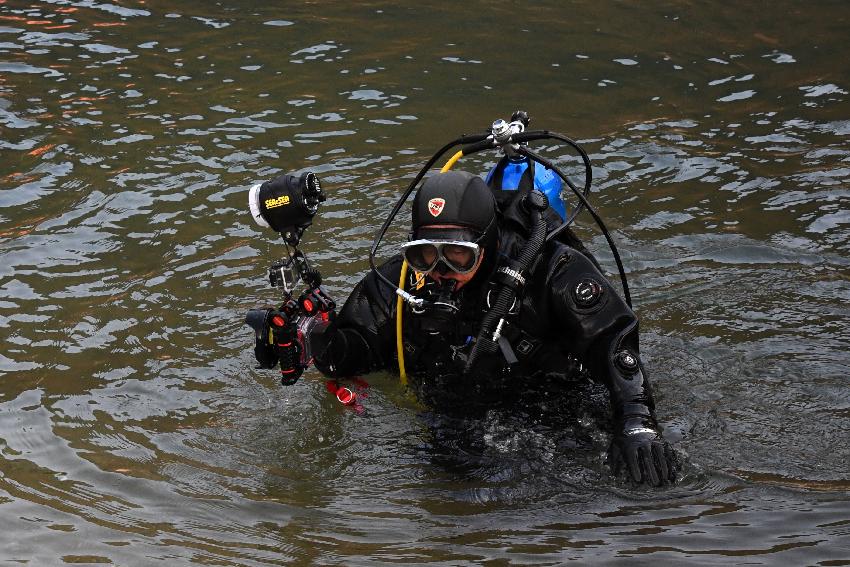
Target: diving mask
pixel 459 256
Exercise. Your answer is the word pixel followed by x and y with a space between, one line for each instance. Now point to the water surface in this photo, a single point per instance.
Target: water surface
pixel 133 426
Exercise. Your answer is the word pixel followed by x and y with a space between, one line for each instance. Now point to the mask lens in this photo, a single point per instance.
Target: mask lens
pixel 423 257
pixel 459 258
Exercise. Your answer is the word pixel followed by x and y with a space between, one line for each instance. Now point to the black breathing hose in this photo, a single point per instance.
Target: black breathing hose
pixel 536 202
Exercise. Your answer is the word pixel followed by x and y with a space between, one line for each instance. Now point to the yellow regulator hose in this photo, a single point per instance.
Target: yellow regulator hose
pixel 452 161
pixel 399 343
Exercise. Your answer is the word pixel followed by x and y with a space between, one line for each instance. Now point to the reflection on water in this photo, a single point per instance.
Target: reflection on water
pixel 132 423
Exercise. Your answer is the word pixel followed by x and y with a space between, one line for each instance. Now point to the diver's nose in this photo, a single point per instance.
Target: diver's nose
pixel 441 268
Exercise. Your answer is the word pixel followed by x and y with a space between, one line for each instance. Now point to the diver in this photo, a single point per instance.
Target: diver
pixel 492 297
pixel 462 253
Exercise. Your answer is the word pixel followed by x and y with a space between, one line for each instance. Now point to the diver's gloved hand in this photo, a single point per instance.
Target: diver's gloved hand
pixel 288 344
pixel 639 447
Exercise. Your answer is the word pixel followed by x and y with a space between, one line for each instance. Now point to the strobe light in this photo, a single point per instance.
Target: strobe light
pixel 286 204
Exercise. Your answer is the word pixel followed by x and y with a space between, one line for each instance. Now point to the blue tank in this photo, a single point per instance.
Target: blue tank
pixel 545 180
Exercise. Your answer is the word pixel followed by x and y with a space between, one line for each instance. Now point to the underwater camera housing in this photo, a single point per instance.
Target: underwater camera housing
pixel 289 335
pixel 287 204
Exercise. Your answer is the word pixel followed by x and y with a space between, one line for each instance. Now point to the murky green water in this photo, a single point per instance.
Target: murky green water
pixel 133 427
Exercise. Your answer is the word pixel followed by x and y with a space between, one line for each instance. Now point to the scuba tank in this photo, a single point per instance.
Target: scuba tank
pixel 519 172
pixel 516 171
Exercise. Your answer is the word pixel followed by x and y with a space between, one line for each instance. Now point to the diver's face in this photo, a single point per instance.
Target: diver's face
pixel 461 279
pixel 459 256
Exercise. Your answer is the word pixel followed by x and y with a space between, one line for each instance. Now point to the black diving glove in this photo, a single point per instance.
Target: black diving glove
pixel 639 447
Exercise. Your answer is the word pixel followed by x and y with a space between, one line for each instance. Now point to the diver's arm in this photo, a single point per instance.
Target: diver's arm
pixel 347 354
pixel 361 338
pixel 348 351
pixel 603 331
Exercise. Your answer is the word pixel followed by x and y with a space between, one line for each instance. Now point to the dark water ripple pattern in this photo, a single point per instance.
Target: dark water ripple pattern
pixel 133 428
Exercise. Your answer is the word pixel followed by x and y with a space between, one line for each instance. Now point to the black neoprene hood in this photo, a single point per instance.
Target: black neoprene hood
pixel 454 198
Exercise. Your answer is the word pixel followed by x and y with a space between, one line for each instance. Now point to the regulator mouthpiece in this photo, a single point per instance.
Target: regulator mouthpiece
pixel 286 204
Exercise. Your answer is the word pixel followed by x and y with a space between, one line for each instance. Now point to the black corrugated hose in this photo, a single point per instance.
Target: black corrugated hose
pixel 536 202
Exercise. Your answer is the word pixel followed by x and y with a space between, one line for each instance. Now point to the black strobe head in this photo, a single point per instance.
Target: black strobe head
pixel 286 204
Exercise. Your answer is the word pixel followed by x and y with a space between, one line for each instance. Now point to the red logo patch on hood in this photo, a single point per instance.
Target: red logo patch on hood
pixel 435 206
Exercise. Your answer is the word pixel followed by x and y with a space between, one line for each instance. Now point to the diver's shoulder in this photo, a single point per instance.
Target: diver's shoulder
pixel 559 256
pixel 390 269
